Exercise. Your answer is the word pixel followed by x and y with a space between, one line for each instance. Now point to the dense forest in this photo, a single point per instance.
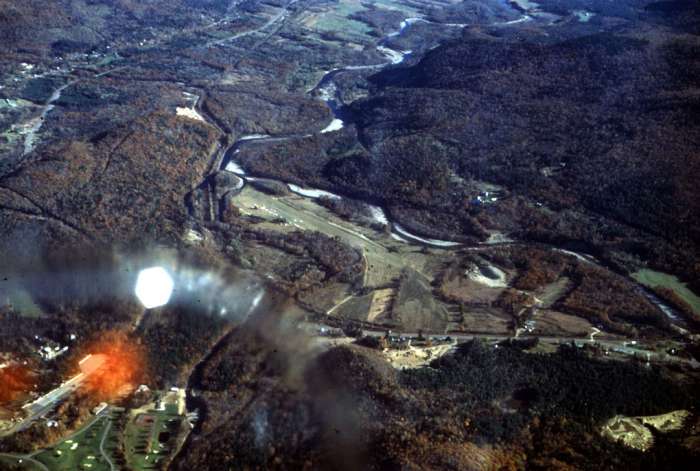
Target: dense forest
pixel 524 413
pixel 590 140
pixel 556 142
pixel 600 125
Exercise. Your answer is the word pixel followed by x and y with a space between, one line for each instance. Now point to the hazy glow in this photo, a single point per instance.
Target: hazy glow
pixel 154 286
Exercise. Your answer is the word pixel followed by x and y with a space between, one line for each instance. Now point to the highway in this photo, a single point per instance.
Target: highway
pixel 45 403
pixel 621 346
pixel 30 457
pixel 273 20
pixel 39 407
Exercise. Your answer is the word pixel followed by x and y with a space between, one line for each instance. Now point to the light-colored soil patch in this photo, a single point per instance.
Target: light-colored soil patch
pixel 381 300
pixel 415 357
pixel 189 113
pixel 488 275
pixel 551 293
pixel 634 433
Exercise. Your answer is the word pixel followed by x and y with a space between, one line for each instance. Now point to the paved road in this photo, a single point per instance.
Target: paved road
pixel 623 346
pixel 102 445
pixel 273 20
pixel 45 403
pixel 30 457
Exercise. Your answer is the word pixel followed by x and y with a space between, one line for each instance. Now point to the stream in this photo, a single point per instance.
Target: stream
pixel 327 90
pixel 329 93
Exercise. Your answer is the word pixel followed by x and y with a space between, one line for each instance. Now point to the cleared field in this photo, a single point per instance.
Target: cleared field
pixel 356 308
pixel 396 5
pixel 634 433
pixel 415 308
pixel 151 433
pixel 89 449
pixel 551 293
pixel 336 19
pixel 381 300
pixel 387 260
pixel 415 357
pixel 485 320
pixel 386 257
pixel 549 322
pixel 653 279
pixel 458 286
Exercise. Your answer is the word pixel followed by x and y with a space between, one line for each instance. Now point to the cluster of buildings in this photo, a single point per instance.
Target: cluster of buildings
pixel 49 350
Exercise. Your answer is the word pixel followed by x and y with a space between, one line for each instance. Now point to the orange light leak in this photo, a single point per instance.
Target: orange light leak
pixel 14 380
pixel 123 366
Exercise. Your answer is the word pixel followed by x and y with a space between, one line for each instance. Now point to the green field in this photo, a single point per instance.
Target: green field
pixel 149 436
pixel 397 5
pixel 337 20
pixel 653 279
pixel 88 449
pixel 8 103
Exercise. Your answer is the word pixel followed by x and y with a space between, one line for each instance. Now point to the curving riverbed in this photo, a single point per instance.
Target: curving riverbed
pixel 327 90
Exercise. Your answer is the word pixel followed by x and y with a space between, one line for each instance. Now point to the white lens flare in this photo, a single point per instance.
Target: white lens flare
pixel 154 286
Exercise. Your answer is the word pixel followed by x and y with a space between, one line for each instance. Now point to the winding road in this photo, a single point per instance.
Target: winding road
pixel 328 92
pixel 104 454
pixel 281 15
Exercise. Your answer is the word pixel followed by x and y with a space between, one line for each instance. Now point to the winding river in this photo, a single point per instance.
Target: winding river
pixel 327 90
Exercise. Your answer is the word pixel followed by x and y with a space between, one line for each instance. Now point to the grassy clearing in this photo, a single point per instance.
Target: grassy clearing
pixel 81 451
pixel 632 432
pixel 149 436
pixel 11 104
pixel 107 60
pixel 336 19
pixel 7 461
pixel 385 256
pixel 653 279
pixel 397 5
